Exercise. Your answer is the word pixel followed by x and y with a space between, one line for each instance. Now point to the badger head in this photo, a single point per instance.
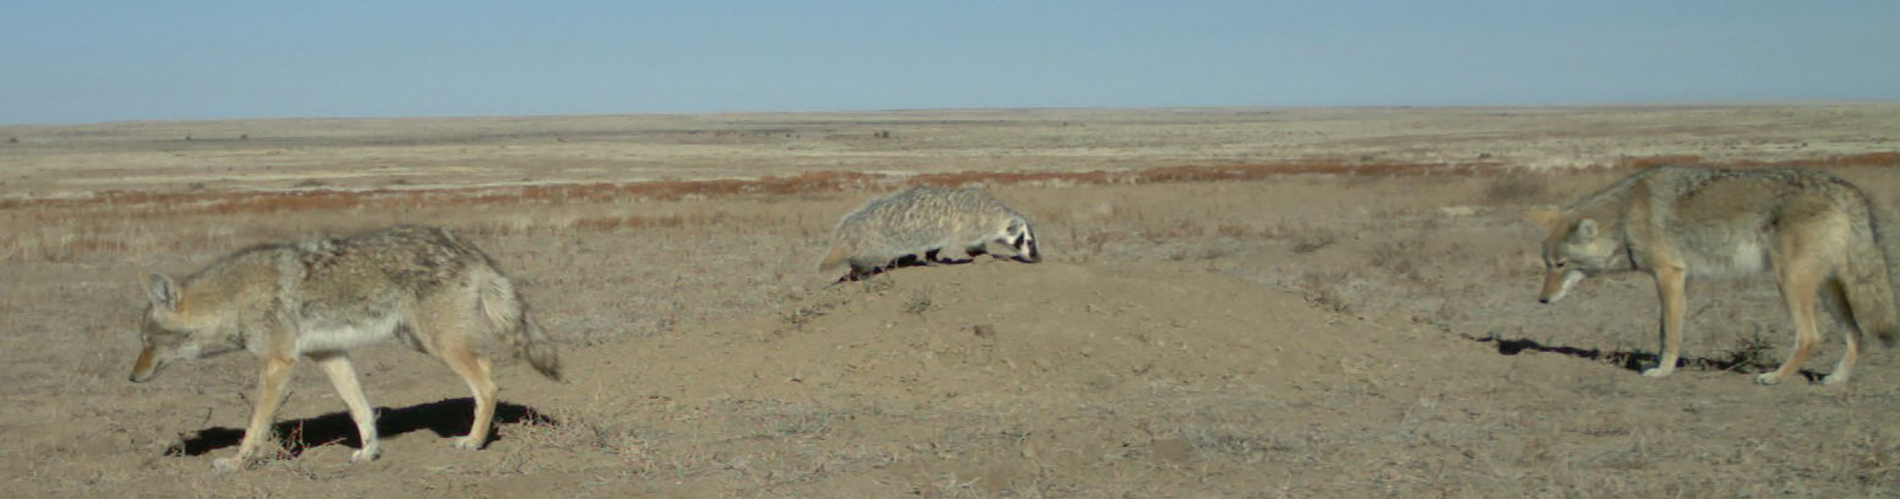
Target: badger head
pixel 1022 237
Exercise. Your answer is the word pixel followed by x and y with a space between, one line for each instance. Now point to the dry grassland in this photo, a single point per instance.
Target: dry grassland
pixel 1237 303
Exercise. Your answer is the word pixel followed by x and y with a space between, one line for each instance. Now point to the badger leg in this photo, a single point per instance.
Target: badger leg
pixel 859 273
pixel 936 256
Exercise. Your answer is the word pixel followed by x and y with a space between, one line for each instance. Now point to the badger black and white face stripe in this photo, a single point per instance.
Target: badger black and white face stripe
pixel 1025 243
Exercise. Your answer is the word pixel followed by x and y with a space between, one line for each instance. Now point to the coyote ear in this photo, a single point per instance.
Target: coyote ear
pixel 162 290
pixel 1586 231
pixel 1543 216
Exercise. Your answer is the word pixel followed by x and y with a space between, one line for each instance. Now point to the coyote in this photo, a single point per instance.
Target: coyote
pixel 922 222
pixel 1813 231
pixel 323 296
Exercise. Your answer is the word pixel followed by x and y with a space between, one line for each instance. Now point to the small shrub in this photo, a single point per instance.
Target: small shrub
pixel 1515 189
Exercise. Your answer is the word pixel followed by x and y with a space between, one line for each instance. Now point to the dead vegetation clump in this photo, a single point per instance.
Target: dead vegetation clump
pixel 1516 189
pixel 1400 259
pixel 1325 289
pixel 1301 238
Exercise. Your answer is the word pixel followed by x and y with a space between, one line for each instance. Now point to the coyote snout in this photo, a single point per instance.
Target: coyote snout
pixel 321 298
pixel 147 365
pixel 144 368
pixel 1557 284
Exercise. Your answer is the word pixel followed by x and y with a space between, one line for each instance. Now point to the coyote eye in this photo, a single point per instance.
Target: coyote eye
pixel 1560 263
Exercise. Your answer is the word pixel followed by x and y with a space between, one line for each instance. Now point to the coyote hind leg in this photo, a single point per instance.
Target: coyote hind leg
pixel 1836 300
pixel 343 377
pixel 1799 289
pixel 474 370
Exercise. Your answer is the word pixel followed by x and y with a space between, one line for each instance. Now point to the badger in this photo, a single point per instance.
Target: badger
pixel 921 224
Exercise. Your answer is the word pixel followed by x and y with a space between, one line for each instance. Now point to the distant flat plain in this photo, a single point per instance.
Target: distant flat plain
pixel 417 153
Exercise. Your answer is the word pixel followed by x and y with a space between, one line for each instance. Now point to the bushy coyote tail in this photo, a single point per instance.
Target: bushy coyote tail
pixel 1868 287
pixel 833 259
pixel 540 351
pixel 509 317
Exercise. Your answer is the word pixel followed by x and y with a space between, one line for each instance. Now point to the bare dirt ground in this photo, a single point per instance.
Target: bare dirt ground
pixel 1237 303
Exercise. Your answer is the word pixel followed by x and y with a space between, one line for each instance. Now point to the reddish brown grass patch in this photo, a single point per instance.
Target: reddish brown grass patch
pixel 147 204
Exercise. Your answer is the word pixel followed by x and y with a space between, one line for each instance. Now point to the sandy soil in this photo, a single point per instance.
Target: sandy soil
pixel 1282 335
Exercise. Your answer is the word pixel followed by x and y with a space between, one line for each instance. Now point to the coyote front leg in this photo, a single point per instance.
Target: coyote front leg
pixel 270 395
pixel 1670 282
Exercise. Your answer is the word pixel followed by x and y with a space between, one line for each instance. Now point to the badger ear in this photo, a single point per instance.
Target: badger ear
pixel 162 290
pixel 1543 216
pixel 1585 232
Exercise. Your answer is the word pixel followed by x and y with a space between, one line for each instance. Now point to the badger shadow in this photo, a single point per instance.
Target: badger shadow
pixel 927 260
pixel 1741 361
pixel 446 418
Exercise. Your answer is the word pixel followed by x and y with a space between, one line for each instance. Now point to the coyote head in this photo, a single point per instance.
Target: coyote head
pixel 170 333
pixel 1575 249
pixel 1022 237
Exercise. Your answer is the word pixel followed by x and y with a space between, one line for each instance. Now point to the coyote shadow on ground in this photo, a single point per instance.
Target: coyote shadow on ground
pixel 1742 361
pixel 446 418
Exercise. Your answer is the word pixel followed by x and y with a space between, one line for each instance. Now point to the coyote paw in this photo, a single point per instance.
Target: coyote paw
pixel 227 464
pixel 1769 378
pixel 1658 372
pixel 468 443
pixel 366 454
pixel 1837 378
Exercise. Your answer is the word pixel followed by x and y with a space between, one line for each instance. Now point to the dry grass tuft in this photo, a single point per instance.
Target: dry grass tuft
pixel 1322 288
pixel 1516 189
pixel 1400 259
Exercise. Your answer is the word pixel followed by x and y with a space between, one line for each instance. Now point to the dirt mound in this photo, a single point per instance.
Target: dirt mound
pixel 972 329
pixel 993 330
pixel 1008 377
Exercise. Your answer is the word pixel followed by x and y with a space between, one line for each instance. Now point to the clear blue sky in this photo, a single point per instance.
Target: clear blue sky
pixel 86 61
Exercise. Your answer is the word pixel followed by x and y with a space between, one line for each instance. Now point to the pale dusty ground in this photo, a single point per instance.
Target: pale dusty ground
pixel 1296 336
